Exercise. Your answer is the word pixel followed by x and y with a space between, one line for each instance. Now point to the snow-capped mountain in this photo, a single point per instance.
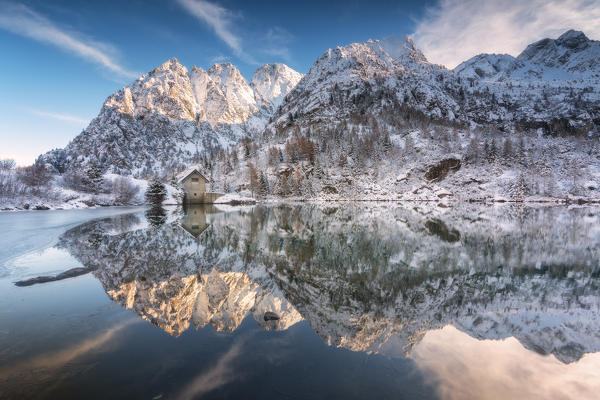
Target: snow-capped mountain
pixel 366 79
pixel 381 116
pixel 393 75
pixel 170 117
pixel 222 94
pixel 570 57
pixel 378 116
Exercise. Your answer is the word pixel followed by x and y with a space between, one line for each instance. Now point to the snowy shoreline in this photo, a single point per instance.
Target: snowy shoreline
pixel 246 202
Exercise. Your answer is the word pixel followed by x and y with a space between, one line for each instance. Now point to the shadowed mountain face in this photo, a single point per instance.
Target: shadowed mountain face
pixel 372 279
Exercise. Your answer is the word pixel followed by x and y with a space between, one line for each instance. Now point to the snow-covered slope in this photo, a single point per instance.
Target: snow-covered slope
pixel 489 66
pixel 365 79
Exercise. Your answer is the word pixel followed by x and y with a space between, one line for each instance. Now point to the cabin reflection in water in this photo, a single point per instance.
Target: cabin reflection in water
pixel 194 219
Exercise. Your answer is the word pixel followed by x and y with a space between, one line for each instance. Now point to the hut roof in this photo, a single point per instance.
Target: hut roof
pixel 181 176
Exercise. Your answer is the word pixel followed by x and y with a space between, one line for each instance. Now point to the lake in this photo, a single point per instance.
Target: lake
pixel 295 301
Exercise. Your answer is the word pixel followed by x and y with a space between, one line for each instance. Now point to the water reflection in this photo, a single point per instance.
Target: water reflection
pixel 373 279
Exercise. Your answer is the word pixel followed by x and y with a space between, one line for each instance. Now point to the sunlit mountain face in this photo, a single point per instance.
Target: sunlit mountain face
pixel 374 279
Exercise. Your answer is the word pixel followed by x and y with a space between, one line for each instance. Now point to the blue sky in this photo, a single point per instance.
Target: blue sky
pixel 61 59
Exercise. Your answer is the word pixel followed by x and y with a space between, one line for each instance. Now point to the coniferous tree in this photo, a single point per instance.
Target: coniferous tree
pixel 93 180
pixel 156 192
pixel 472 155
pixel 386 143
pixel 507 150
pixel 493 150
pixel 263 185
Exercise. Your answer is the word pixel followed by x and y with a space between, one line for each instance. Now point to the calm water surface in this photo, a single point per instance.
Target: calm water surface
pixel 345 301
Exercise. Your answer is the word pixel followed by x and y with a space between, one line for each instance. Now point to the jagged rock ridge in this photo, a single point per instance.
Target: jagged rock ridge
pixel 169 118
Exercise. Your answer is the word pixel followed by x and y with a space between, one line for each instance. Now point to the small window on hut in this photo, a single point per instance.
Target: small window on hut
pixel 195 179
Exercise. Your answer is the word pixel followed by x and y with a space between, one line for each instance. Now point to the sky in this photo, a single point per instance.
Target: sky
pixel 61 59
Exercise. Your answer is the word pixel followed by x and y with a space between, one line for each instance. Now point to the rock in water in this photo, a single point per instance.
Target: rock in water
pixel 271 316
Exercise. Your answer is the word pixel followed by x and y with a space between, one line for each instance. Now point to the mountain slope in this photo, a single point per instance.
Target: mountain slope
pixel 271 83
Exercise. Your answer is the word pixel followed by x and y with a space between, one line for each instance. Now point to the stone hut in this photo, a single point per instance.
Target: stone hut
pixel 193 182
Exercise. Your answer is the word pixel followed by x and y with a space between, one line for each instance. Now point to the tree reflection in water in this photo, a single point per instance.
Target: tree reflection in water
pixel 372 279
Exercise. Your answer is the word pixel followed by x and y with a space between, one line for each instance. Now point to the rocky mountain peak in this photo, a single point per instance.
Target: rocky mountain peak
pixel 166 90
pixel 231 84
pixel 224 72
pixel 403 49
pixel 573 39
pixel 572 52
pixel 172 64
pixel 488 66
pixel 272 82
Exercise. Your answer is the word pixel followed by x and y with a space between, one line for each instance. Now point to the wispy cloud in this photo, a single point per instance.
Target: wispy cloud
pixel 221 20
pixel 219 59
pixel 277 40
pixel 24 21
pixel 219 375
pixel 456 30
pixel 49 362
pixel 60 116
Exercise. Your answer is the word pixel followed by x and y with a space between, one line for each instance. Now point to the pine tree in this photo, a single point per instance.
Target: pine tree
pixel 92 179
pixel 493 150
pixel 342 160
pixel 386 143
pixel 263 185
pixel 156 192
pixel 520 188
pixel 507 151
pixel 473 150
pixel 486 149
pixel 409 146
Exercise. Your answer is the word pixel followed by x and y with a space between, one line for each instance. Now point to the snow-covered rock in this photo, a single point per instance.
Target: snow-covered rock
pixel 271 83
pixel 572 52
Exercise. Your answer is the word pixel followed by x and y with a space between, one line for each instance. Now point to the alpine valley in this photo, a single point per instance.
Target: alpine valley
pixel 369 121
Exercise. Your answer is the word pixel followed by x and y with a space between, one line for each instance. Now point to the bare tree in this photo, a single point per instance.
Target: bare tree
pixel 253 178
pixel 124 191
pixel 7 164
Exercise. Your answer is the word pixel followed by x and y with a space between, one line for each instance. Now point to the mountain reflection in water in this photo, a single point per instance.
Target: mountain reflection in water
pixel 371 279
